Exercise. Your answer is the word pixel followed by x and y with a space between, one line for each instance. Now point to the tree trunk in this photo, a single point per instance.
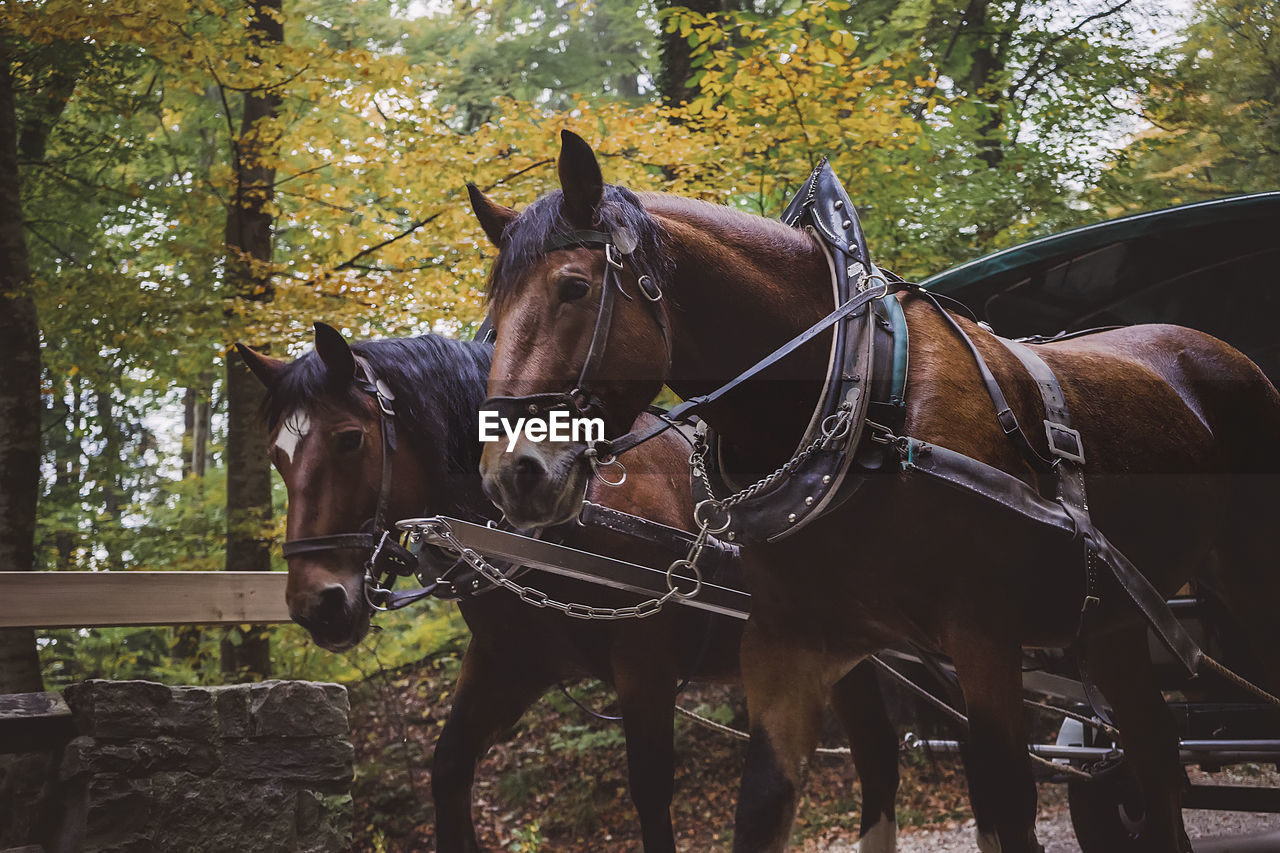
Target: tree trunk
pixel 202 427
pixel 66 489
pixel 988 64
pixel 109 464
pixel 677 68
pixel 188 428
pixel 196 424
pixel 249 224
pixel 20 406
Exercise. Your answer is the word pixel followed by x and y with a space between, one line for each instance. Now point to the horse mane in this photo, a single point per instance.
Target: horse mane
pixel 438 382
pixel 528 234
pixel 526 237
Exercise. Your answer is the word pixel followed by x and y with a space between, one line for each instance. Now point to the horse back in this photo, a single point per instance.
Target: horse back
pixel 1148 399
pixel 1179 390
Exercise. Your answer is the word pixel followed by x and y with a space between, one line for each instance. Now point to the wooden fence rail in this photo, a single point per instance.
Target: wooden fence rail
pixel 106 599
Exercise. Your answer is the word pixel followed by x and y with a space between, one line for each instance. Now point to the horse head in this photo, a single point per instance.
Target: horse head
pixel 333 443
pixel 576 301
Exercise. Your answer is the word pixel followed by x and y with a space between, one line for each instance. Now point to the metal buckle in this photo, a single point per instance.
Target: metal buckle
pixel 1056 433
pixel 613 255
pixel 644 290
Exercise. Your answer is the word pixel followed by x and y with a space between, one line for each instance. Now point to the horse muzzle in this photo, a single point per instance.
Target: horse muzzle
pixel 335 615
pixel 535 484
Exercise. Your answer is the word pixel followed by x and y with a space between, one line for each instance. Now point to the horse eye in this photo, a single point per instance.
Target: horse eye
pixel 350 440
pixel 574 288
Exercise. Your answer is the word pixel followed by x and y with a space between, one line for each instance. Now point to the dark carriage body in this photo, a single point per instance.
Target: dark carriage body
pixel 1212 266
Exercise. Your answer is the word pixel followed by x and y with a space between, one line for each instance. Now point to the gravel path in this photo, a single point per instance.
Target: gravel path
pixel 1210 831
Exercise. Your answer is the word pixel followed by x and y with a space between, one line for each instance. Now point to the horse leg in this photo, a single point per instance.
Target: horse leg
pixel 874 744
pixel 786 693
pixel 489 698
pixel 1120 663
pixel 646 695
pixel 1002 790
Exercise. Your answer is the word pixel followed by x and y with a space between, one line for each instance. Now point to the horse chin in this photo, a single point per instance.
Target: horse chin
pixel 556 497
pixel 348 640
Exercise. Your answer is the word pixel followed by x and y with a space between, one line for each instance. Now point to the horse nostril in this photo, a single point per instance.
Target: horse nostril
pixel 331 605
pixel 530 472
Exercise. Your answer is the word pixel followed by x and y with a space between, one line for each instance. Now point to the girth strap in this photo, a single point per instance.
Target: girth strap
pixel 1064 442
pixel 1004 413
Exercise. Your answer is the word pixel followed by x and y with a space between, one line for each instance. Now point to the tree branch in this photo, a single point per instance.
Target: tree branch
pixel 1032 76
pixel 350 262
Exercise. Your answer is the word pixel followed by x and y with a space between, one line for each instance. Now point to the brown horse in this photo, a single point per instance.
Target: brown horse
pixel 1178 428
pixel 328 445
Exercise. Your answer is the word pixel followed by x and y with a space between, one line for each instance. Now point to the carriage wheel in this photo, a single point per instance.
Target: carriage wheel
pixel 1105 812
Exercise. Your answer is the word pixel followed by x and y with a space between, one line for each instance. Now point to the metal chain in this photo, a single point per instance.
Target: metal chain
pixel 439 532
pixel 836 430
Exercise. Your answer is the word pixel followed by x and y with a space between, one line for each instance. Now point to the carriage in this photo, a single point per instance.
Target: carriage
pixel 1154 263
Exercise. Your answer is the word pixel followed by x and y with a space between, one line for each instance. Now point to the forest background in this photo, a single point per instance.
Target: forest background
pixel 177 175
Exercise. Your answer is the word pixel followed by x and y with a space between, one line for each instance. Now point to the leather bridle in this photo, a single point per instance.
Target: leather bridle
pixel 581 399
pixel 387 558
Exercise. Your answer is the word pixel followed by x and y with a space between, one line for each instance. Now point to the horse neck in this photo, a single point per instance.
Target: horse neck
pixel 740 288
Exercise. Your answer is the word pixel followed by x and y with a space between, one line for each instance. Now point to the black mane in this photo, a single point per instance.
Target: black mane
pixel 526 238
pixel 439 385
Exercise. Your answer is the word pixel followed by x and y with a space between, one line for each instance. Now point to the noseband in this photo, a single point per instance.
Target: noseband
pixel 387 559
pixel 581 399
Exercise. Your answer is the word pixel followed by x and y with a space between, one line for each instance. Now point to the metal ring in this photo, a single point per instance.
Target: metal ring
pixel 597 465
pixel 697 579
pixel 372 589
pixel 865 284
pixel 706 523
pixel 838 430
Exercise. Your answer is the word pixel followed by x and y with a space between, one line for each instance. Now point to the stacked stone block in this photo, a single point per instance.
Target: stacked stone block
pixel 248 767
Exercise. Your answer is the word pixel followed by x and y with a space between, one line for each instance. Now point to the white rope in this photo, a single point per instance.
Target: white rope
pixel 741 735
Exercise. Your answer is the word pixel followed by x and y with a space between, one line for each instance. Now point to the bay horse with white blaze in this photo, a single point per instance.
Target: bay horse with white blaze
pixel 1180 431
pixel 328 443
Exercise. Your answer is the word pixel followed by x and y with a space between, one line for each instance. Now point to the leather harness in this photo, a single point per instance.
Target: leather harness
pixel 840 428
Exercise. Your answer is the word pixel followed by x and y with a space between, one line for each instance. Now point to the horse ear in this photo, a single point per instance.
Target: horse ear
pixel 580 179
pixel 494 218
pixel 336 354
pixel 266 368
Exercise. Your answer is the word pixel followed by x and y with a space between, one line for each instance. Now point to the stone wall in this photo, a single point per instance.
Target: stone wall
pixel 248 767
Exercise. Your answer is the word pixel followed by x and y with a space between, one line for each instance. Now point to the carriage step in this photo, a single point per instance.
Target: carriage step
pixel 1232 798
pixel 1209 752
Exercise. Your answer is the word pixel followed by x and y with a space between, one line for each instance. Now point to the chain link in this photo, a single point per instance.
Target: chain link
pixel 438 533
pixel 834 428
